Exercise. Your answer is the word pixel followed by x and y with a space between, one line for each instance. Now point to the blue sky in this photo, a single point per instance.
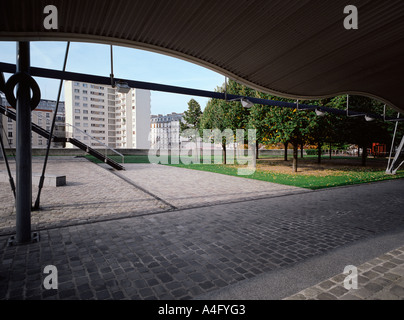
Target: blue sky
pixel 128 64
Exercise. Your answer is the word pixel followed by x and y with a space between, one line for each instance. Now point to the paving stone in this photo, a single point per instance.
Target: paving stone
pixel 349 296
pixel 373 287
pixel 338 291
pixel 399 271
pixel 326 296
pixel 312 292
pixel 371 274
pixel 362 293
pixel 391 276
pixel 385 295
pixel 380 269
pixel 397 291
pixel 326 284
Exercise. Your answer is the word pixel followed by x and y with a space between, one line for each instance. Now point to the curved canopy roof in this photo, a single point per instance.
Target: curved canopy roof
pixel 298 49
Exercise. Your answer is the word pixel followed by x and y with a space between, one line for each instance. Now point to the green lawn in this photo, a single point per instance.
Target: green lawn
pixel 302 181
pixel 340 178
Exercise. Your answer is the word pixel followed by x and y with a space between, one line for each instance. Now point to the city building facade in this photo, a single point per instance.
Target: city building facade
pixel 100 115
pixel 165 131
pixel 41 116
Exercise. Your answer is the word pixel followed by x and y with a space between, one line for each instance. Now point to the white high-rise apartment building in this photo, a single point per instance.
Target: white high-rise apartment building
pixel 99 115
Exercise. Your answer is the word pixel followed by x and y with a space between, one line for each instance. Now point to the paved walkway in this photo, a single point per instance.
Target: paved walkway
pixel 91 194
pixel 160 253
pixel 186 188
pixel 381 278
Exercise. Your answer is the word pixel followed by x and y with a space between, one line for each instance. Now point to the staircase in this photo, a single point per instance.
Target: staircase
pixel 46 134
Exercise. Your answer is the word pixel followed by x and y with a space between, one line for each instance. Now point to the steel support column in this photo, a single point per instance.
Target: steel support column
pixel 23 149
pixel 394 166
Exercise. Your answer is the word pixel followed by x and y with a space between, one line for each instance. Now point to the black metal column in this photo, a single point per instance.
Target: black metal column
pixel 23 151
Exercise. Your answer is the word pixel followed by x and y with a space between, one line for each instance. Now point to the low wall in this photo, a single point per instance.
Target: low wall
pixel 79 152
pixel 126 152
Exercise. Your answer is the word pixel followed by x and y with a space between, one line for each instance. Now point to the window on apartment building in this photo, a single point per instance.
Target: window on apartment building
pixel 10 134
pixel 77 117
pixel 77 97
pixel 10 141
pixel 39 142
pixel 85 138
pixel 76 110
pixel 85 125
pixel 47 121
pixel 85 111
pixel 85 104
pixel 76 90
pixel 77 124
pixel 47 115
pixel 48 128
pixel 85 118
pixel 77 84
pixel 85 85
pixel 10 127
pixel 77 104
pixel 85 98
pixel 85 91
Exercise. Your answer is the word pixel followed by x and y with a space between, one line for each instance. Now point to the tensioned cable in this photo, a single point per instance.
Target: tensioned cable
pixel 41 180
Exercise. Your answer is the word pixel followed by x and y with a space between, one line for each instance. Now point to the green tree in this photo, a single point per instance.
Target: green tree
pixel 192 116
pixel 222 115
pixel 356 130
pixel 215 117
pixel 322 128
pixel 257 121
pixel 290 126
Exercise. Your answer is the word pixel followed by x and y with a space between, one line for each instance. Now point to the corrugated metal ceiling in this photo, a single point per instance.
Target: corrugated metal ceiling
pixel 293 48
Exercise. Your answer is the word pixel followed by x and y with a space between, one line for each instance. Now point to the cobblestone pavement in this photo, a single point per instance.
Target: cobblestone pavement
pixel 182 254
pixel 381 278
pixel 186 188
pixel 91 193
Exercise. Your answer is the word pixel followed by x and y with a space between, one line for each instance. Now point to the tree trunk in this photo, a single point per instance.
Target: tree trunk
pixel 302 151
pixel 256 150
pixel 330 151
pixel 224 153
pixel 295 156
pixel 286 150
pixel 319 152
pixel 364 155
pixel 254 158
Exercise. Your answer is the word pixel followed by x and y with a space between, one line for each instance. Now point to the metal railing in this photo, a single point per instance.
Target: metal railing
pixel 94 139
